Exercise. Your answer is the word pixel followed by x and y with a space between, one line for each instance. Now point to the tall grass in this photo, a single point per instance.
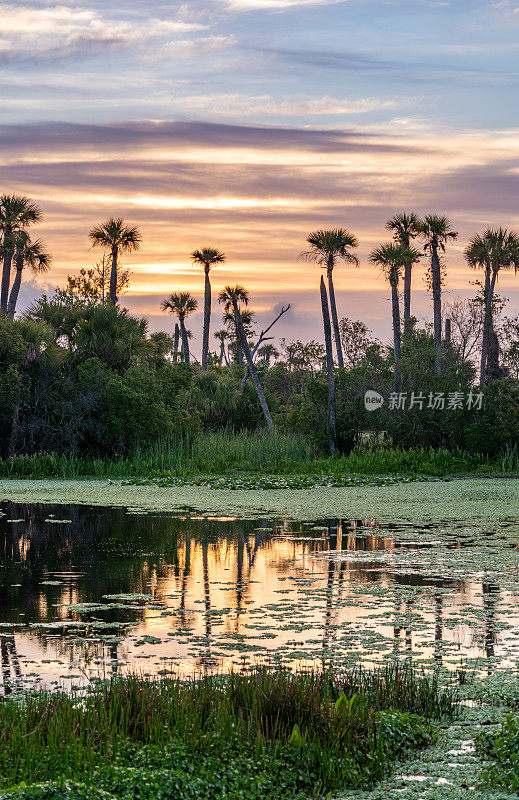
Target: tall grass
pixel 205 453
pixel 264 452
pixel 342 728
pixel 509 461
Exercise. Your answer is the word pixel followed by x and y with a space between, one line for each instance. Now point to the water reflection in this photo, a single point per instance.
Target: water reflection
pixel 215 592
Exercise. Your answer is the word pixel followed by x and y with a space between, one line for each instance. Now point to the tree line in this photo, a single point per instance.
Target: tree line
pixel 86 318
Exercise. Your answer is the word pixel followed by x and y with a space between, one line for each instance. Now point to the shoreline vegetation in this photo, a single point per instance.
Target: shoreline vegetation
pixel 89 390
pixel 228 454
pixel 268 733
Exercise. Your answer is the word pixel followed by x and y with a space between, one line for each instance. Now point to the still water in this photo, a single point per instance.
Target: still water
pixel 89 592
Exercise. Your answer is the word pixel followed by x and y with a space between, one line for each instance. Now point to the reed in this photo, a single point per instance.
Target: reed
pixel 310 732
pixel 224 453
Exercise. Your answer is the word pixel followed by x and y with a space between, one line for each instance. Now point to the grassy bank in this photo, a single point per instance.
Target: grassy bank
pixel 267 734
pixel 275 454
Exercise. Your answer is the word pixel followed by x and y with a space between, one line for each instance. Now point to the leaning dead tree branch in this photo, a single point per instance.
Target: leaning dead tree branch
pixel 262 338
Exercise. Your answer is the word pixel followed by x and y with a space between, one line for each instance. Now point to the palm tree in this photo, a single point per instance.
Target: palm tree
pixel 435 232
pixel 222 336
pixel 327 247
pixel 110 334
pixel 392 258
pixel 266 352
pixel 117 237
pixel 176 337
pixel 232 297
pixel 17 213
pixel 477 254
pixel 495 250
pixel 405 228
pixel 332 411
pixel 207 257
pixel 27 253
pixel 182 304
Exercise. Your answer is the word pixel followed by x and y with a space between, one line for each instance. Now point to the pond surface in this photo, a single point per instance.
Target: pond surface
pixel 89 592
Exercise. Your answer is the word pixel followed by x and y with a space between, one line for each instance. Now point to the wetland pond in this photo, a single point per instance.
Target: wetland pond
pixel 89 592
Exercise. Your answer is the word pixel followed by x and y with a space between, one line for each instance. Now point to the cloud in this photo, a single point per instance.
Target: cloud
pixel 201 45
pixel 405 68
pixel 60 31
pixel 256 192
pixel 166 140
pixel 250 105
pixel 268 5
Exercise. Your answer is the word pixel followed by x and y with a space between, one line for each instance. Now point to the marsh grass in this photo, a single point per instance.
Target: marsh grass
pixel 227 453
pixel 307 732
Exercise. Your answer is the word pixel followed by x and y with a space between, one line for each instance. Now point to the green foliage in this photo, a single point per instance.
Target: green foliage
pixel 90 383
pixel 496 429
pixel 109 334
pixel 243 456
pixel 13 351
pixel 219 404
pixel 268 733
pixel 56 790
pixel 502 747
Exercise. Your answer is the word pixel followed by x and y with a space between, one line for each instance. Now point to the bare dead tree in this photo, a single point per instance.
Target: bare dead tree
pixel 262 338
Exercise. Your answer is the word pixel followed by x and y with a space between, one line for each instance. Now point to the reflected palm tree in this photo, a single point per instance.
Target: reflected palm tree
pixel 259 539
pixel 327 637
pixel 397 627
pixel 11 670
pixel 114 658
pixel 409 630
pixel 242 546
pixel 207 661
pixel 438 626
pixel 185 572
pixel 491 593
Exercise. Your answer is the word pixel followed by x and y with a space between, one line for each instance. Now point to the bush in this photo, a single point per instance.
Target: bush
pixel 502 747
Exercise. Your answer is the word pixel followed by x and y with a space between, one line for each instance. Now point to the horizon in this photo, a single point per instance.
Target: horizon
pixel 247 124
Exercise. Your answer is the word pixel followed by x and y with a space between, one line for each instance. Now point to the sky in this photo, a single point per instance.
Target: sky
pixel 246 124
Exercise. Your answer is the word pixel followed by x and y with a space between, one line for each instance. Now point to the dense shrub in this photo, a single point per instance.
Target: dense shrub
pixel 90 383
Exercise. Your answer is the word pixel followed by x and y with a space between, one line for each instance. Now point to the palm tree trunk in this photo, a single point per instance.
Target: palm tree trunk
pixel 487 325
pixel 15 289
pixel 244 346
pixel 407 296
pixel 6 277
pixel 207 320
pixel 185 340
pixel 397 336
pixel 13 435
pixel 175 342
pixel 437 308
pixel 332 412
pixel 222 352
pixel 336 334
pixel 486 328
pixel 113 277
pixel 226 357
